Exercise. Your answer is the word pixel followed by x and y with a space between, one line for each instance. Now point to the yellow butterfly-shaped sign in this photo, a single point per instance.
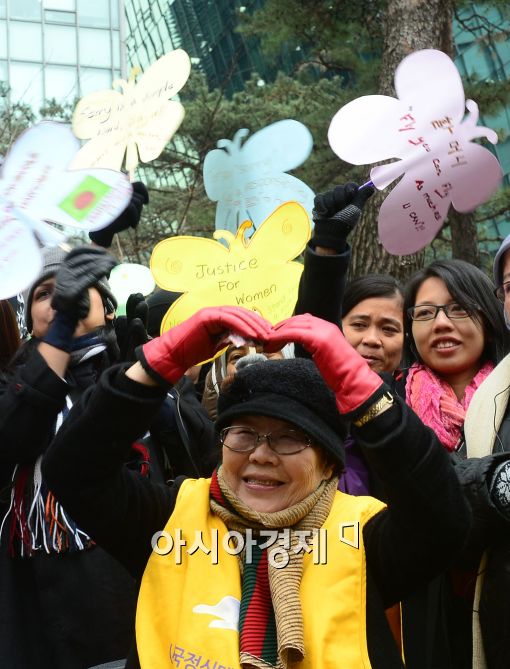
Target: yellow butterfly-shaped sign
pixel 256 273
pixel 140 117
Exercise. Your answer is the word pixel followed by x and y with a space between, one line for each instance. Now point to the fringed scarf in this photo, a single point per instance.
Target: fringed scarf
pixel 270 618
pixel 436 403
pixel 35 520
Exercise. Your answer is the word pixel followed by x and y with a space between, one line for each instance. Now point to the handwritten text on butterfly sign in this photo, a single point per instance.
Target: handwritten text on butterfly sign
pixel 9 234
pixel 205 271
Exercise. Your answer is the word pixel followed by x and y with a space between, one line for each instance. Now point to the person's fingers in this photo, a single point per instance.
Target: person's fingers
pixel 140 191
pixel 131 304
pixel 350 190
pixel 362 195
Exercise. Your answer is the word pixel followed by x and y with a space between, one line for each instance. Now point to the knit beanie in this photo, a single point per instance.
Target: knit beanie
pixel 498 269
pixel 53 256
pixel 292 390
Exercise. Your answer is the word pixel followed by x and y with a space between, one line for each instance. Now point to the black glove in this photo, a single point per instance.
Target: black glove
pixel 129 218
pixel 131 329
pixel 336 212
pixel 81 269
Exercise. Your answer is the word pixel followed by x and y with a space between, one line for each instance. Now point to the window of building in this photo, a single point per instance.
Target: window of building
pixel 25 9
pixel 61 82
pixel 26 83
pixel 60 44
pixel 25 41
pixel 52 16
pixel 116 49
pixel 3 8
pixel 3 39
pixel 95 47
pixel 94 13
pixel 60 5
pixel 93 79
pixel 114 9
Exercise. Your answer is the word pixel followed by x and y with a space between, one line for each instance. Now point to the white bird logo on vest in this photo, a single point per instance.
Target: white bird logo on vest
pixel 226 611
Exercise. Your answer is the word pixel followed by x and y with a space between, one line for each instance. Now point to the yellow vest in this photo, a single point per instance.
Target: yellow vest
pixel 187 614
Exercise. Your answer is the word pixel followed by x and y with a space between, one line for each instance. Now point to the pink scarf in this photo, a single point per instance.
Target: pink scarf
pixel 437 405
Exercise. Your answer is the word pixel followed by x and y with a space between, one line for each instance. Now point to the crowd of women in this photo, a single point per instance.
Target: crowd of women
pixel 333 491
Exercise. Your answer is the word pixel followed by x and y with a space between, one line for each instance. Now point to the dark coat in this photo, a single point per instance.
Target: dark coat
pixel 76 610
pixel 424 526
pixel 69 610
pixel 438 618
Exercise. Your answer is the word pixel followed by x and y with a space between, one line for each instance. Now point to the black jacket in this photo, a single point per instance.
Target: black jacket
pixel 64 611
pixel 424 526
pixel 76 610
pixel 322 287
pixel 437 618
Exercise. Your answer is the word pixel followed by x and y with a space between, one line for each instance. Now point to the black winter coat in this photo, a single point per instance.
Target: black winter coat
pixel 438 618
pixel 76 610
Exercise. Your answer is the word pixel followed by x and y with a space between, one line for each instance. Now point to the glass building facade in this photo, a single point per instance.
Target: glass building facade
pixel 205 29
pixel 59 49
pixel 483 54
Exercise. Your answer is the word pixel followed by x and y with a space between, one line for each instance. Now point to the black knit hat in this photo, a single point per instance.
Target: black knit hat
pixel 291 390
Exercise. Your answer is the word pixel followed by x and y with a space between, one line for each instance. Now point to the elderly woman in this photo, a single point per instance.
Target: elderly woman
pixel 266 564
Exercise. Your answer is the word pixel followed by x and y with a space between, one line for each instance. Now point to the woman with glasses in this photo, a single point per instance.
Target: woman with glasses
pixel 266 564
pixel 455 332
pixel 487 433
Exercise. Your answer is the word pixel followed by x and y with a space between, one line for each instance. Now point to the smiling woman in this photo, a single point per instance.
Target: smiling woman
pixel 272 503
pixel 373 320
pixel 455 331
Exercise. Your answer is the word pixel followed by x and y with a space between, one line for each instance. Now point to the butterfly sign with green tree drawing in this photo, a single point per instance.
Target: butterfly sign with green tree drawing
pixel 256 273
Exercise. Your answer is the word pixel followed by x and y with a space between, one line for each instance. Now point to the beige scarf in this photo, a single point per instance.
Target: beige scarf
pixel 309 514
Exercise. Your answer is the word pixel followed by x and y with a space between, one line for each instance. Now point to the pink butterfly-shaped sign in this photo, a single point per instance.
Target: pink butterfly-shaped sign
pixel 428 130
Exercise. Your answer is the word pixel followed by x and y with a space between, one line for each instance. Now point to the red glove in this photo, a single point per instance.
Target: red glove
pixel 166 358
pixel 343 369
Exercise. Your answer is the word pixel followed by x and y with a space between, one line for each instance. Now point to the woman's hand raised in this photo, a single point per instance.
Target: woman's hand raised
pixel 343 369
pixel 167 357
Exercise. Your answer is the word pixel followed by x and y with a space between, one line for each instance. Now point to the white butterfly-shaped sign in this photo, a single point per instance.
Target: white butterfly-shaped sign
pixel 35 187
pixel 427 129
pixel 137 122
pixel 248 180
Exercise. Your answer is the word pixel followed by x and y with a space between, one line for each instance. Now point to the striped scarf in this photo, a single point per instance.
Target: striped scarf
pixel 35 521
pixel 270 617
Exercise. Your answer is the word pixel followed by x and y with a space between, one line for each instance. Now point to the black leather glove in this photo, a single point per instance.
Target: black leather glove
pixel 336 212
pixel 129 218
pixel 131 329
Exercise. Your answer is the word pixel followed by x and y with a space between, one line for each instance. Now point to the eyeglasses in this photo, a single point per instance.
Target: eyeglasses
pixel 241 439
pixel 427 312
pixel 503 291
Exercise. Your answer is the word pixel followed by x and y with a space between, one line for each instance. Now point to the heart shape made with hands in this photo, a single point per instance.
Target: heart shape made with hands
pixel 304 329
